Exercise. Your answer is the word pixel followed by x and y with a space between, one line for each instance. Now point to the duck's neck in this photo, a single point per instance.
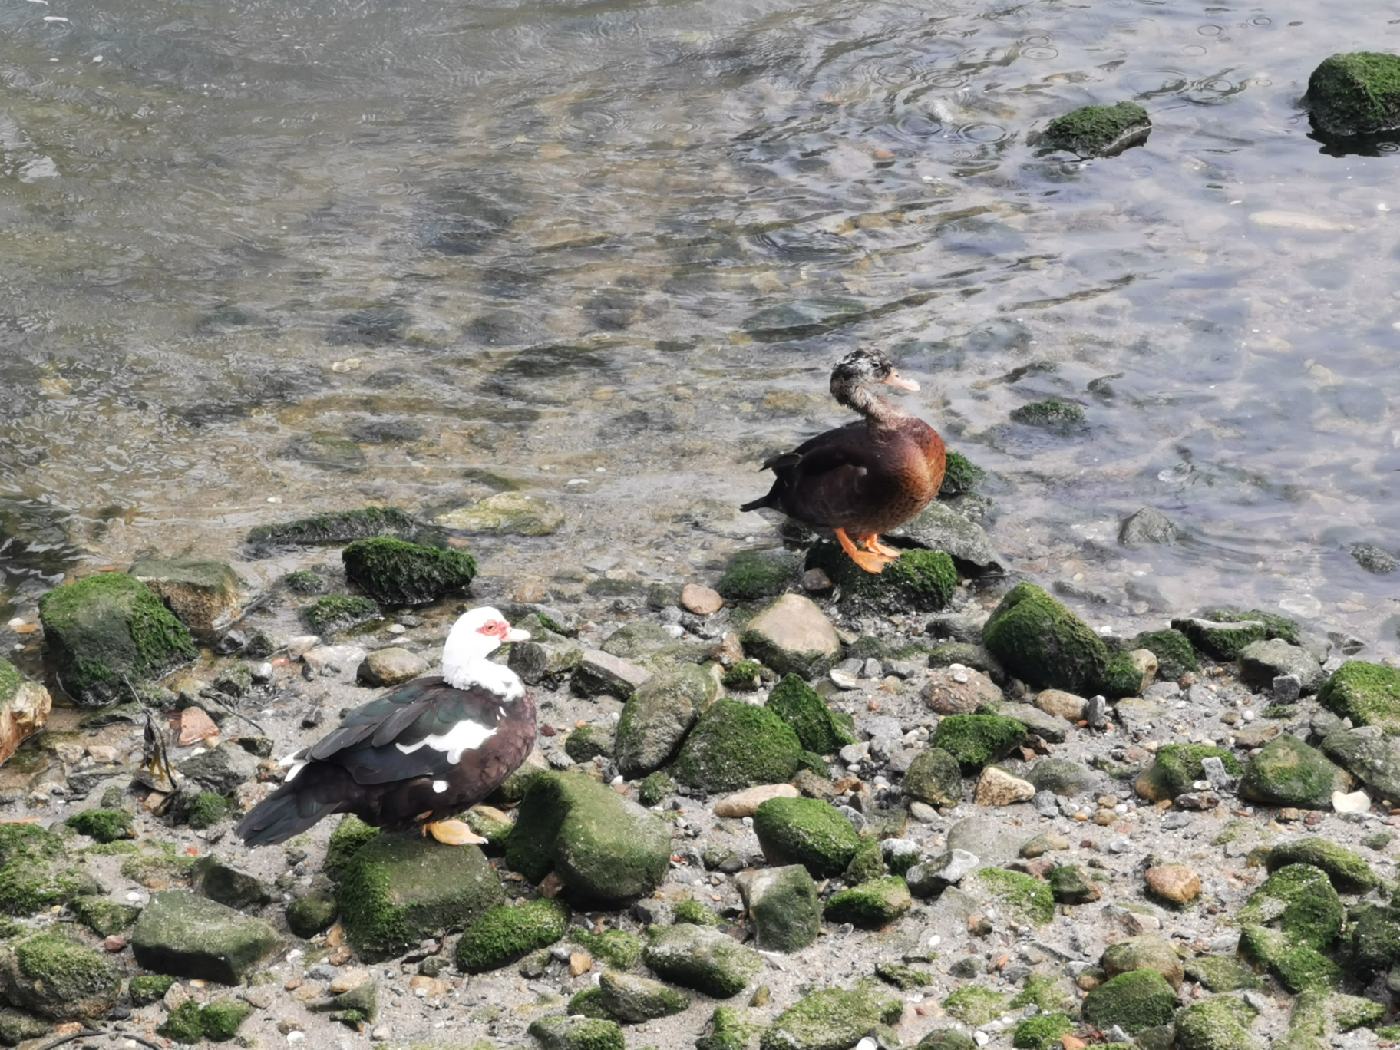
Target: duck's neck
pixel 877 411
pixel 481 673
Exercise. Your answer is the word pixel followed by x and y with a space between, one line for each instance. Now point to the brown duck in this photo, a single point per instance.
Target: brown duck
pixel 864 478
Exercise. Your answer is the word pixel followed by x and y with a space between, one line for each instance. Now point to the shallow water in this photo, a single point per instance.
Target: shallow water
pixel 326 253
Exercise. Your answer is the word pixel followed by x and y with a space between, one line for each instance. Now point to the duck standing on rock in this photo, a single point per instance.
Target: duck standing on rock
pixel 419 755
pixel 866 477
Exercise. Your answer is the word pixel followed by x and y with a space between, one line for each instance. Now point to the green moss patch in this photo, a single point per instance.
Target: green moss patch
pixel 510 932
pixel 339 612
pixel 1356 93
pixel 918 580
pixel 1368 694
pixel 577 1033
pixel 1041 1032
pixel 1287 772
pixel 975 1005
pixel 396 572
pixel 1218 1023
pixel 817 727
pixel 147 988
pixel 735 745
pixel 833 1018
pixel 618 948
pixel 1026 898
pixel 758 574
pixel 104 825
pixel 1348 871
pixel 104 917
pixel 977 740
pixel 960 475
pixel 806 831
pixel 871 905
pixel 36 871
pixel 1174 652
pixel 217 1022
pixel 1041 642
pixel 344 526
pixel 1134 1001
pixel 1098 131
pixel 57 978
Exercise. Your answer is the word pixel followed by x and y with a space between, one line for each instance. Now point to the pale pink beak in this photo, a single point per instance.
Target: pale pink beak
pixel 897 381
pixel 517 634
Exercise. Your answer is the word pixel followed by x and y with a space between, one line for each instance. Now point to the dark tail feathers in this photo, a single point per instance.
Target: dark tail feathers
pixel 280 816
pixel 758 504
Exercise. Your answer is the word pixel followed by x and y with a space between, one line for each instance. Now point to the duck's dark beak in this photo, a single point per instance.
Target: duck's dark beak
pixel 897 381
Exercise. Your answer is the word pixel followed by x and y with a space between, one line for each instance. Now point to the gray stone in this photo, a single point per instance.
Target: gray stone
pixel 702 958
pixel 1062 776
pixel 1262 662
pixel 1369 755
pixel 1050 728
pixel 939 527
pixel 782 903
pixel 221 769
pixel 203 594
pixel 994 842
pixel 959 690
pixel 1287 688
pixel 1148 526
pixel 792 636
pixel 391 666
pixel 657 717
pixel 933 877
pixel 600 673
pixel 188 936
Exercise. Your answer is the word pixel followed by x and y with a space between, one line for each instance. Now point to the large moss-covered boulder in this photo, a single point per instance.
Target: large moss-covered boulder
pixel 1289 924
pixel 37 871
pixel 792 636
pixel 1367 693
pixel 702 958
pixel 1346 868
pixel 186 935
pixel 394 890
pixel 1287 772
pixel 508 932
pixel 1178 766
pixel 1098 131
pixel 1134 1001
pixel 817 727
pixel 735 745
pixel 396 572
pixel 344 526
pixel 1041 642
pixel 1356 93
pixel 976 740
pixel 806 831
pixel 108 634
pixel 834 1019
pixel 203 594
pixel 917 581
pixel 657 717
pixel 605 848
pixel 1219 1023
pixel 782 903
pixel 24 708
pixel 57 978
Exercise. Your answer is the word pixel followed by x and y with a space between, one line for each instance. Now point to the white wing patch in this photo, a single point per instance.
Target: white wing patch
pixel 439 786
pixel 293 764
pixel 466 735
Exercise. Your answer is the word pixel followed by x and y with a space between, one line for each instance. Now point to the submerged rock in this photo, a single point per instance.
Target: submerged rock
pixel 735 745
pixel 109 634
pixel 1356 93
pixel 345 526
pixel 397 572
pixel 185 935
pixel 792 636
pixel 24 708
pixel 506 514
pixel 603 847
pixel 1146 527
pixel 1098 131
pixel 657 717
pixel 203 594
pixel 1064 417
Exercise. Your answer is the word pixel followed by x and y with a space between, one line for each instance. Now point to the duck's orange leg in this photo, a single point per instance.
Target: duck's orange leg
pixel 453 833
pixel 867 560
pixel 872 543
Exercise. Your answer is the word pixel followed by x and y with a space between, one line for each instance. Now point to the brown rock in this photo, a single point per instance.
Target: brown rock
pixel 391 666
pixel 1060 703
pixel 996 787
pixel 1174 883
pixel 580 963
pixel 959 690
pixel 702 601
pixel 23 715
pixel 792 635
pixel 744 803
pixel 192 725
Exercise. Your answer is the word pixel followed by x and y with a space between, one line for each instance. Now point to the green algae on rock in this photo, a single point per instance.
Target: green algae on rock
pixel 1041 1032
pixel 109 633
pixel 934 777
pixel 345 526
pixel 960 475
pixel 618 948
pixel 918 580
pixel 104 825
pixel 729 1028
pixel 146 988
pixel 782 904
pixel 806 831
pixel 1064 417
pixel 818 728
pixel 977 740
pixel 577 1033
pixel 311 914
pixel 975 1005
pixel 1356 93
pixel 692 911
pixel 1134 1001
pixel 701 958
pixel 1346 868
pixel 1024 897
pixel 735 745
pixel 217 1022
pixel 947 1039
pixel 1174 652
pixel 203 594
pixel 630 999
pixel 1041 642
pixel 833 1019
pixel 334 613
pixel 1145 952
pixel 1287 772
pixel 1288 924
pixel 586 743
pixel 1374 937
pixel 1221 973
pixel 508 932
pixel 1098 131
pixel 1177 767
pixel 185 935
pixel 1219 1023
pixel 1367 693
pixel 657 717
pixel 792 635
pixel 397 572
pixel 1070 884
pixel 37 871
pixel 871 905
pixel 396 889
pixel 603 847
pixel 54 977
pixel 758 574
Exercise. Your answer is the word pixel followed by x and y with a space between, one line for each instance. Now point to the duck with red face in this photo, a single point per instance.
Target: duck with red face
pixel 417 756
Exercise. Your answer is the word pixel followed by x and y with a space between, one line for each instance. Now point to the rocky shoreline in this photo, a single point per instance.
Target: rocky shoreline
pixel 788 807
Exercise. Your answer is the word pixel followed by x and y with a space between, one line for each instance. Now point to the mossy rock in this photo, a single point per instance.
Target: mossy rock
pixel 692 911
pixel 1374 937
pixel 397 889
pixel 1041 642
pixel 750 575
pixel 1098 131
pixel 185 935
pixel 617 948
pixel 630 999
pixel 37 871
pixel 818 728
pixel 745 676
pixel 577 1033
pixel 510 932
pixel 54 977
pixel 395 572
pixel 1041 1032
pixel 1368 694
pixel 729 1028
pixel 1174 652
pixel 975 741
pixel 1134 1001
pixel 782 903
pixel 586 743
pixel 147 988
pixel 1219 1023
pixel 916 581
pixel 947 1039
pixel 869 862
pixel 871 905
pixel 974 1005
pixel 833 1019
pixel 104 917
pixel 216 1022
pixel 735 745
pixel 1024 897
pixel 657 717
pixel 960 475
pixel 605 848
pixel 305 581
pixel 1298 965
pixel 1177 767
pixel 1144 952
pixel 1298 899
pixel 1346 868
pixel 312 914
pixel 1287 772
pixel 1356 93
pixel 701 958
pixel 104 825
pixel 344 526
pixel 205 810
pixel 349 835
pixel 655 788
pixel 1063 417
pixel 806 831
pixel 108 634
pixel 934 777
pixel 1221 973
pixel 203 594
pixel 335 613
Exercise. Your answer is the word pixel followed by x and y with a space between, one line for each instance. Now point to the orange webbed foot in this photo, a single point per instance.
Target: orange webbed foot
pixel 872 543
pixel 453 833
pixel 870 561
